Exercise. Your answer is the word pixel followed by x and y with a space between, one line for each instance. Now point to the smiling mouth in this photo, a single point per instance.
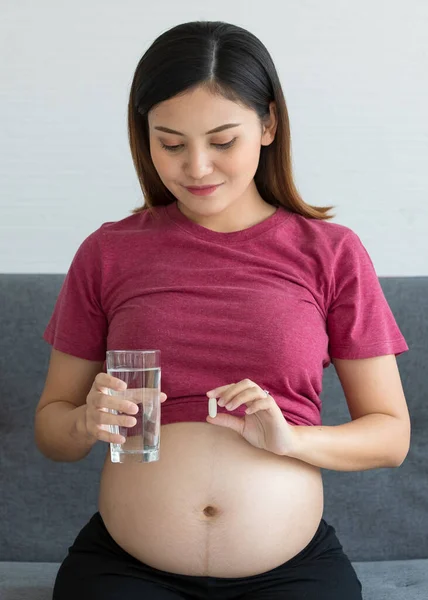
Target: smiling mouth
pixel 202 187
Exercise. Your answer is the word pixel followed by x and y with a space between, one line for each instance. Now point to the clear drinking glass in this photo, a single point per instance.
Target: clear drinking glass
pixel 141 371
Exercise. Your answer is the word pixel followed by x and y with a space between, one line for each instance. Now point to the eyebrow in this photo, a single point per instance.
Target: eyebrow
pixel 216 130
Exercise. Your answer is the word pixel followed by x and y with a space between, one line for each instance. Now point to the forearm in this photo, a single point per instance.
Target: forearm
pixel 59 432
pixel 370 442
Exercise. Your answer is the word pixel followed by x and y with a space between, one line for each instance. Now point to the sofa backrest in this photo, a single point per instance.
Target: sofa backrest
pixel 378 515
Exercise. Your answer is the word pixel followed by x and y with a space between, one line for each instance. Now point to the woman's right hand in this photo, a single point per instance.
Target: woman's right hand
pixel 98 402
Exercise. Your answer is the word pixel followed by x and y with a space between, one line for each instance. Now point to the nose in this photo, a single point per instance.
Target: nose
pixel 198 165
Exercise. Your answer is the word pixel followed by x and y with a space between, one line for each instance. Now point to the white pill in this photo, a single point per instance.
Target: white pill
pixel 212 407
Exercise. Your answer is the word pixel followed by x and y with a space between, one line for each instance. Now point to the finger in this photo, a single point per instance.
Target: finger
pixel 131 397
pixel 142 395
pixel 263 404
pixel 103 420
pixel 103 382
pixel 104 435
pixel 246 388
pixel 104 402
pixel 219 390
pixel 224 420
pixel 113 438
pixel 233 400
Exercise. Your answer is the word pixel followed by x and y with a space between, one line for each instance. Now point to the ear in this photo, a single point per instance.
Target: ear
pixel 269 126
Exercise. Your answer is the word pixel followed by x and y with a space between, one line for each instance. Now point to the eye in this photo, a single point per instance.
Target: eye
pixel 218 146
pixel 171 148
pixel 225 146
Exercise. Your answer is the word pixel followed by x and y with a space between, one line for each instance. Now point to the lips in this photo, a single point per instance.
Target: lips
pixel 202 191
pixel 202 187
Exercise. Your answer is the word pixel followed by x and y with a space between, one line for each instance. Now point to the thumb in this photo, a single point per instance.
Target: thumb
pixel 229 421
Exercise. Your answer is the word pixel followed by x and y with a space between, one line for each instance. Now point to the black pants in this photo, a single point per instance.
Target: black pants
pixel 97 568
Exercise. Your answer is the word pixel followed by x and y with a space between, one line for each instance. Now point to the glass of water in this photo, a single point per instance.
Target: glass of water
pixel 141 371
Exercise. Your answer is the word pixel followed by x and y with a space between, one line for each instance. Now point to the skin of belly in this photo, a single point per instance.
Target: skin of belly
pixel 213 505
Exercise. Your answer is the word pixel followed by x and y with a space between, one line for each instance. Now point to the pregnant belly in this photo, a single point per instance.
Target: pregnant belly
pixel 212 505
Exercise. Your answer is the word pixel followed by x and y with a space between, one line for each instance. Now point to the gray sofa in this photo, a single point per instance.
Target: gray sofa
pixel 380 516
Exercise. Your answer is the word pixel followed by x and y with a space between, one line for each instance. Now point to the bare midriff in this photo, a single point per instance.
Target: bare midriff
pixel 213 505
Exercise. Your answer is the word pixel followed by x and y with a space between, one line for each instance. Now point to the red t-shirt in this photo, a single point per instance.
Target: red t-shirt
pixel 273 303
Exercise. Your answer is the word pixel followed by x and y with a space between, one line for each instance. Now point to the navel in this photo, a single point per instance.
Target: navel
pixel 210 511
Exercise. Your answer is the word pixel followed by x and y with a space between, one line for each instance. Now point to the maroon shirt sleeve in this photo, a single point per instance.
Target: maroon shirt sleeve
pixel 360 323
pixel 78 325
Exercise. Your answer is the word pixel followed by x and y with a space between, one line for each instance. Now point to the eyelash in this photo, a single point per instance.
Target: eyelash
pixel 218 146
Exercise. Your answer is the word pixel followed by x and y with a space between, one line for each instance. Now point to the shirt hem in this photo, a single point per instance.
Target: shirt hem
pixel 397 347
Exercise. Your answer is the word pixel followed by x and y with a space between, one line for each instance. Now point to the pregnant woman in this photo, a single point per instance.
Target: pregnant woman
pixel 249 293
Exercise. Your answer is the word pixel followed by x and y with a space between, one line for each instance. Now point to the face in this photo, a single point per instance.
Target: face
pixel 195 157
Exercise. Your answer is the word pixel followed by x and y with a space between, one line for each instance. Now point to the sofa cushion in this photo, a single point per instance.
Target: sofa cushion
pixel 394 579
pixel 378 515
pixel 388 580
pixel 27 580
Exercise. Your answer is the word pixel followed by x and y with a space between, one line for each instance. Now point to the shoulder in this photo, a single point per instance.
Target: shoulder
pixel 322 229
pixel 125 230
pixel 134 222
pixel 325 237
pixel 112 233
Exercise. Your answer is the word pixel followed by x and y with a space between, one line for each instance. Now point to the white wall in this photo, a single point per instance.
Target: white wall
pixel 354 76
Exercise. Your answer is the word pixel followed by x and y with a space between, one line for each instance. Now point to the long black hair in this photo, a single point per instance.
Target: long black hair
pixel 229 61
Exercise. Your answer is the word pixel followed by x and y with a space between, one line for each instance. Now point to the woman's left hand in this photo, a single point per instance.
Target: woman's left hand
pixel 263 425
